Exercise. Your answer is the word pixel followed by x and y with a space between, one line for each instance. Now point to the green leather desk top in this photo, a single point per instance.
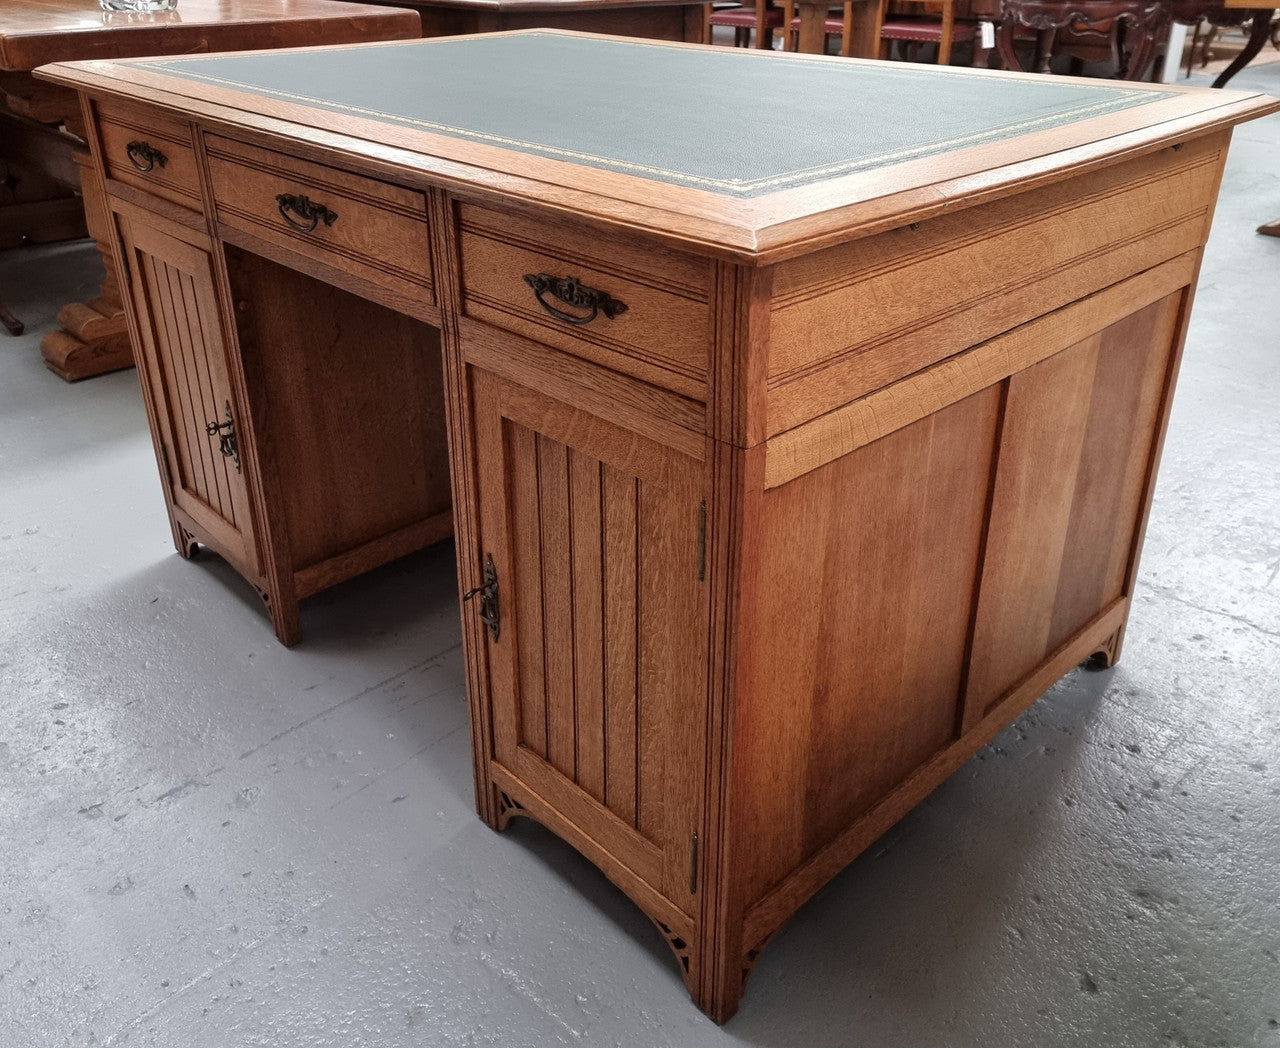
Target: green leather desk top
pixel 723 120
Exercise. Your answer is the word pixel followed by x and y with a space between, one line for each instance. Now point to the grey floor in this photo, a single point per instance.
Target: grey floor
pixel 207 840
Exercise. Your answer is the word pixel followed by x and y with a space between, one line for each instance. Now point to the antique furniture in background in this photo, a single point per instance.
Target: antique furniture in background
pixel 753 24
pixel 941 22
pixel 651 19
pixel 783 478
pixel 860 27
pixel 35 120
pixel 1130 30
pixel 838 19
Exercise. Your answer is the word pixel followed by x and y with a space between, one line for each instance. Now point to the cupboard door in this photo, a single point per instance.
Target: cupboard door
pixel 598 666
pixel 183 363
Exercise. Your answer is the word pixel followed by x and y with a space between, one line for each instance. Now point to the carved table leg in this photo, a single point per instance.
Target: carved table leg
pixel 94 338
pixel 1004 42
pixel 1257 37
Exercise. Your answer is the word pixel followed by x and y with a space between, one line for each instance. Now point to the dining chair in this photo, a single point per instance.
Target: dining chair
pixel 931 22
pixel 759 18
pixel 835 25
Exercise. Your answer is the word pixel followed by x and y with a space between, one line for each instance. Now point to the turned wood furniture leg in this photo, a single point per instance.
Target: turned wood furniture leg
pixel 1044 49
pixel 1258 36
pixel 93 338
pixel 12 324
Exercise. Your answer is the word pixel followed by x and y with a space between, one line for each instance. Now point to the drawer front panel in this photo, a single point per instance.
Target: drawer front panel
pixel 853 319
pixel 151 152
pixel 664 332
pixel 368 228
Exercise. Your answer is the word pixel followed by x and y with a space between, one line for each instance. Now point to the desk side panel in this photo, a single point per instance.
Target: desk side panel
pixel 853 653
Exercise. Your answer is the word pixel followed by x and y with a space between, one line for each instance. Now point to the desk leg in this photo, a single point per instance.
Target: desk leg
pixel 94 338
pixel 1257 37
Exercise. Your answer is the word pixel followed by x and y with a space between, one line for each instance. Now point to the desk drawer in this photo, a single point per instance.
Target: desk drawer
pixel 150 151
pixel 662 333
pixel 368 228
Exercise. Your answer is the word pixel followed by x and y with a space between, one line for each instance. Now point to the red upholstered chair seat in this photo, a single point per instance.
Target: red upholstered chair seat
pixel 759 17
pixel 832 26
pixel 925 30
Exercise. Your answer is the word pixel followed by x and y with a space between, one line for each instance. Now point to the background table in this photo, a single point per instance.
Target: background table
pixel 653 19
pixel 40 125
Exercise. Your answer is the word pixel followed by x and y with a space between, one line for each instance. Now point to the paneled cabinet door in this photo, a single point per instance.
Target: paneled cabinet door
pixel 597 638
pixel 184 367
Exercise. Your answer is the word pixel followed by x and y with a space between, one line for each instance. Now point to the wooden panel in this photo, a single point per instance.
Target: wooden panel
pixel 850 320
pixel 185 364
pixel 174 175
pixel 663 335
pixel 851 675
pixel 586 546
pixel 380 232
pixel 527 537
pixel 1075 451
pixel 838 432
pixel 598 676
pixel 352 428
pixel 621 508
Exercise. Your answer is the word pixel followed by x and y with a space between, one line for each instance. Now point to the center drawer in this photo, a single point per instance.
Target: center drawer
pixel 360 225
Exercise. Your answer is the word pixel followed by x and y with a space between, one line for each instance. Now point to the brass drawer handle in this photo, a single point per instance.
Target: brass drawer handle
pixel 144 156
pixel 573 293
pixel 306 209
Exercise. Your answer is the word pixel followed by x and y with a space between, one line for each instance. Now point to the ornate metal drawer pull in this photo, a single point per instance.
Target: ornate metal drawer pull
pixel 306 209
pixel 225 431
pixel 144 156
pixel 487 591
pixel 573 293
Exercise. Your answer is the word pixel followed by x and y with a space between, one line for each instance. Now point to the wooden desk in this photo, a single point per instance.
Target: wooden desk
pixel 783 477
pixel 33 119
pixel 652 19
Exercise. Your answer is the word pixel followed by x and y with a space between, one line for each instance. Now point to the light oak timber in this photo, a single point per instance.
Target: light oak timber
pixel 864 468
pixel 781 225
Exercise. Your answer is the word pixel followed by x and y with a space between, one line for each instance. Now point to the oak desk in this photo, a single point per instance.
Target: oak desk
pixel 35 32
pixel 786 470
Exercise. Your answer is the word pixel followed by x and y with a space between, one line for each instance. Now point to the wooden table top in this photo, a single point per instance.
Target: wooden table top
pixel 604 124
pixel 36 32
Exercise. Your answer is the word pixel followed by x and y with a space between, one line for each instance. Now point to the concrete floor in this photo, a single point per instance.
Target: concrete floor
pixel 207 840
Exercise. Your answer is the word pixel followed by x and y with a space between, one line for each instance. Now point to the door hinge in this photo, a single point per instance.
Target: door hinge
pixel 693 864
pixel 487 591
pixel 702 541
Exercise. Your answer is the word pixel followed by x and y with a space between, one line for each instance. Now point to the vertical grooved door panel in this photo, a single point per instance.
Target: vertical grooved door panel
pixel 598 675
pixel 184 362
